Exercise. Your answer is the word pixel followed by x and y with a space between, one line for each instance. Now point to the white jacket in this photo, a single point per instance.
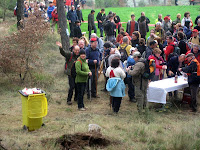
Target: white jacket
pixel 118 72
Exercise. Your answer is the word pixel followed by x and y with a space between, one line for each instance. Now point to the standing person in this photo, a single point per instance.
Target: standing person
pixel 198 25
pixel 140 83
pixel 181 43
pixel 81 44
pixel 77 29
pixel 170 47
pixel 115 84
pixel 195 39
pixel 141 46
pixel 76 3
pixel 94 57
pixel 54 15
pixel 132 25
pixel 110 29
pixel 83 3
pixel 72 17
pixel 196 51
pixel 152 37
pixel 135 39
pixel 124 49
pixel 82 73
pixel 147 21
pixel 192 2
pixel 176 2
pixel 79 13
pixel 117 22
pixel 166 24
pixel 91 25
pixel 142 27
pixel 149 49
pixel 187 21
pixel 159 19
pixel 100 18
pixel 159 31
pixel 193 71
pixel 70 58
pixel 99 41
pixel 50 10
pixel 178 19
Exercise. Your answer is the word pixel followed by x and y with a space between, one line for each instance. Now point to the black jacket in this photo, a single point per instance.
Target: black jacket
pixel 79 14
pixel 173 65
pixel 100 17
pixel 147 22
pixel 77 32
pixel 182 46
pixel 109 28
pixel 134 43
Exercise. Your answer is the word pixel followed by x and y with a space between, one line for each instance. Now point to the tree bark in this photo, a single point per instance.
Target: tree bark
pixel 20 13
pixel 134 3
pixel 4 14
pixel 62 23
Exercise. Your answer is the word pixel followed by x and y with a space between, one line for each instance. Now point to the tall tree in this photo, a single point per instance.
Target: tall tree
pixel 134 3
pixel 62 22
pixel 20 13
pixel 5 5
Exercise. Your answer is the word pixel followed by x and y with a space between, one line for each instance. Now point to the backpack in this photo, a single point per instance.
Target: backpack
pixel 176 52
pixel 123 53
pixel 73 68
pixel 66 62
pixel 150 68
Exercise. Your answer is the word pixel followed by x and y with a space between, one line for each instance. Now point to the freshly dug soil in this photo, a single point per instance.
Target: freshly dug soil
pixel 80 140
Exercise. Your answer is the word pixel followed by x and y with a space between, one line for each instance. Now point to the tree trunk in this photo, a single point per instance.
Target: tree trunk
pixel 20 13
pixel 62 23
pixel 165 2
pixel 4 15
pixel 134 3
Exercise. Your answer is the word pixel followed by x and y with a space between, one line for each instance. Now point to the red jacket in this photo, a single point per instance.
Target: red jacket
pixel 54 15
pixel 169 49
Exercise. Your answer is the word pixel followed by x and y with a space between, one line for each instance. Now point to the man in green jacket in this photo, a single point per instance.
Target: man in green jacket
pixel 91 25
pixel 140 83
pixel 82 73
pixel 70 58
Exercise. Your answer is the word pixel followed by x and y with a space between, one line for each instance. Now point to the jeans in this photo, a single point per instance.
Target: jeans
pixel 93 83
pixel 131 88
pixel 194 91
pixel 116 102
pixel 72 86
pixel 90 30
pixel 101 29
pixel 81 91
pixel 72 25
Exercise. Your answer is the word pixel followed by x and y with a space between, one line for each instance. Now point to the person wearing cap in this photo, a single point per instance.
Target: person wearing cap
pixel 196 51
pixel 140 83
pixel 82 73
pixel 99 41
pixel 79 13
pixel 100 18
pixel 195 39
pixel 166 25
pixel 50 10
pixel 131 87
pixel 70 58
pixel 54 15
pixel 198 25
pixel 94 57
pixel 77 29
pixel 91 25
pixel 72 17
pixel 193 72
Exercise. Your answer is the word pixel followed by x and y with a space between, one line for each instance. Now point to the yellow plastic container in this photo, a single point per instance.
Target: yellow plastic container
pixel 34 108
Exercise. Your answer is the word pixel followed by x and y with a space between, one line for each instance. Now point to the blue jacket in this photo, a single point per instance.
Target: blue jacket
pixel 49 11
pixel 116 87
pixel 130 62
pixel 71 15
pixel 92 55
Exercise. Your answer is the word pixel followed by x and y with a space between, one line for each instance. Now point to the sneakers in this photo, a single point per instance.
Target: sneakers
pixel 69 103
pixel 82 109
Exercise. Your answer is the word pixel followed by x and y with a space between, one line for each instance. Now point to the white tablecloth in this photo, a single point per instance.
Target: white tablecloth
pixel 158 90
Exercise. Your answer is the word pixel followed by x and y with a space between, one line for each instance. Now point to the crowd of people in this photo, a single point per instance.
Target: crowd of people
pixel 127 56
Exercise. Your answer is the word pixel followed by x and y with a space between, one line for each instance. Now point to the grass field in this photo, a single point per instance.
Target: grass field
pixel 176 129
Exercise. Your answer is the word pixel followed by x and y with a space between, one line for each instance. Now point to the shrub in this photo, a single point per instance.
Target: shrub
pixel 141 4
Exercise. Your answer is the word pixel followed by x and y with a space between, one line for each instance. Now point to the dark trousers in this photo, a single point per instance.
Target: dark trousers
pixel 194 91
pixel 101 29
pixel 81 90
pixel 106 83
pixel 93 83
pixel 131 88
pixel 72 86
pixel 72 25
pixel 90 30
pixel 116 102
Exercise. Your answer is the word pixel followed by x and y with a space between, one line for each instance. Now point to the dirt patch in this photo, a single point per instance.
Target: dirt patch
pixel 80 140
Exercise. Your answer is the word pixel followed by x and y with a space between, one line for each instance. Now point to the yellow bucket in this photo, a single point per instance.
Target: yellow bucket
pixel 34 108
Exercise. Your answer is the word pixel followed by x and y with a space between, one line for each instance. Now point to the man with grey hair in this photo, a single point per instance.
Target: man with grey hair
pixel 193 71
pixel 99 41
pixel 159 31
pixel 124 49
pixel 140 83
pixel 81 44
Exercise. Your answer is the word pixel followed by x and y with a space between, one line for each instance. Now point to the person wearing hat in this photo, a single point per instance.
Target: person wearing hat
pixel 94 57
pixel 91 25
pixel 72 17
pixel 50 10
pixel 77 29
pixel 166 25
pixel 79 13
pixel 195 39
pixel 193 72
pixel 82 73
pixel 140 83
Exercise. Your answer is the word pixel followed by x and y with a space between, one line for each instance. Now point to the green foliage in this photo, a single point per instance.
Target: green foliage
pixel 43 80
pixel 106 3
pixel 141 3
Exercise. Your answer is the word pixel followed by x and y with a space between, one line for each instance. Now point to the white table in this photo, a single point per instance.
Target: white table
pixel 158 90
